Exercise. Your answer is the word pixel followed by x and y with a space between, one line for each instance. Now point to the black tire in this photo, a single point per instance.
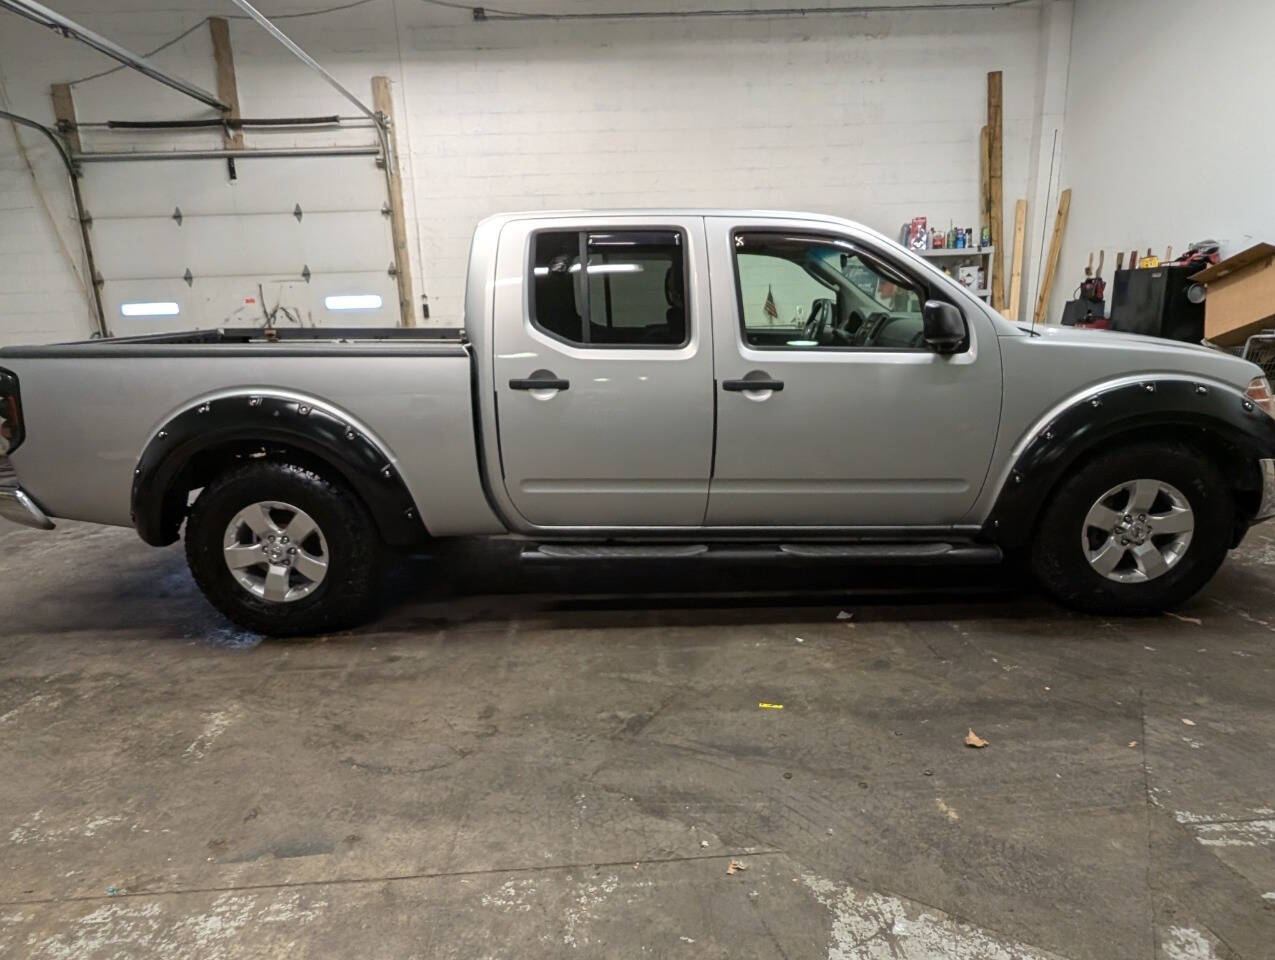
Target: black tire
pixel 1058 559
pixel 346 594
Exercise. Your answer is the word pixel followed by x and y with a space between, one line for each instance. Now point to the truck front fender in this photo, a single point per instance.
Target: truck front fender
pixel 1214 416
pixel 213 433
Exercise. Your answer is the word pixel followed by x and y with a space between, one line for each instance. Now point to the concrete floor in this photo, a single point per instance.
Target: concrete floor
pixel 532 763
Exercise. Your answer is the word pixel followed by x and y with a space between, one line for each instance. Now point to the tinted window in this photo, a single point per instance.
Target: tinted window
pixel 633 292
pixel 807 293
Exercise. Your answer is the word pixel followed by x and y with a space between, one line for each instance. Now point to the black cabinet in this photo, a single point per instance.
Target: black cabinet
pixel 1154 302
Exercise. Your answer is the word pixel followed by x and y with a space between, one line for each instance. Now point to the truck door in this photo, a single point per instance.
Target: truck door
pixel 603 371
pixel 831 409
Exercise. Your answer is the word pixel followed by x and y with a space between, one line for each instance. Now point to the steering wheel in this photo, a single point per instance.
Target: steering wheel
pixel 817 325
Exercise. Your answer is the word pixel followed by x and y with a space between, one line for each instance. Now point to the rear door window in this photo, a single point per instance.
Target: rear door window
pixel 631 291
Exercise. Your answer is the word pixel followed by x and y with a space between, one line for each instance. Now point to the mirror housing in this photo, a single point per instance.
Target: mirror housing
pixel 944 327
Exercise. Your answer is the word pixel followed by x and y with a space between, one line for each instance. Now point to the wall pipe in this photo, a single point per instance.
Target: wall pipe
pixel 490 15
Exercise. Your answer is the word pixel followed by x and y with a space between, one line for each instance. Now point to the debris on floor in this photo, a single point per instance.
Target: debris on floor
pixel 843 615
pixel 1189 723
pixel 1133 743
pixel 770 706
pixel 735 867
pixel 1177 616
pixel 972 739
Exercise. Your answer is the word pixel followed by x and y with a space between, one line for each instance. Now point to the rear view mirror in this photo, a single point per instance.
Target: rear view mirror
pixel 944 327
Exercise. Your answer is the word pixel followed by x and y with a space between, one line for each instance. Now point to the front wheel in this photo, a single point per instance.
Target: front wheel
pixel 1134 530
pixel 283 551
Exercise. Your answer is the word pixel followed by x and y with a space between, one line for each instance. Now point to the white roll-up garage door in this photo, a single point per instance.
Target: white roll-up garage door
pixel 181 246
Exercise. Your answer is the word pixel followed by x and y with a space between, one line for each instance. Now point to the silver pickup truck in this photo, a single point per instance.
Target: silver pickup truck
pixel 686 386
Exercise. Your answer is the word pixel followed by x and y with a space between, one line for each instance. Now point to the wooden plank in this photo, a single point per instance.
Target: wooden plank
pixel 984 175
pixel 227 85
pixel 383 104
pixel 1055 252
pixel 1016 268
pixel 996 184
pixel 64 113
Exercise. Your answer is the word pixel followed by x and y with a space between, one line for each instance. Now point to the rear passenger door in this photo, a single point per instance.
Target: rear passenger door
pixel 603 372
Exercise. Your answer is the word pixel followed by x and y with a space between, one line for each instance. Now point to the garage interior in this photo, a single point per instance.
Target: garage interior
pixel 619 759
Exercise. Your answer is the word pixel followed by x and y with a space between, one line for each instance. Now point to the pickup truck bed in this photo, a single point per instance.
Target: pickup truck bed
pixel 417 408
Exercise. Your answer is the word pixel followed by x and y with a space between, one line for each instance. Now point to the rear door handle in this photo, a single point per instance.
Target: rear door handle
pixel 540 380
pixel 757 380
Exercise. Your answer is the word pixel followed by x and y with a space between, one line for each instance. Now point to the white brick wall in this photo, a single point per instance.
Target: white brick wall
pixel 875 117
pixel 1170 130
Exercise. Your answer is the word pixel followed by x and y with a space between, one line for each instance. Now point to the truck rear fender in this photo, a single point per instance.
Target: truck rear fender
pixel 216 432
pixel 1215 417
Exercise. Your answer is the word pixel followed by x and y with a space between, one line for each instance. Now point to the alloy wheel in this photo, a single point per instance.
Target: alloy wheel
pixel 276 551
pixel 1137 531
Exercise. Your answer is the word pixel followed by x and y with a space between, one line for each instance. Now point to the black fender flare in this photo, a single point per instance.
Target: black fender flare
pixel 1218 412
pixel 250 423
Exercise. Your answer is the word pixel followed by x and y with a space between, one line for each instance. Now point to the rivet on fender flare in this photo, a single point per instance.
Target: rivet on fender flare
pixel 1248 405
pixel 254 401
pixel 387 473
pixel 1201 388
pixel 303 410
pixel 203 408
pixel 163 435
pixel 1095 402
pixel 1149 387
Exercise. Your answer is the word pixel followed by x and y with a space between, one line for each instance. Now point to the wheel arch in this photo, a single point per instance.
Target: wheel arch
pixel 203 439
pixel 1216 419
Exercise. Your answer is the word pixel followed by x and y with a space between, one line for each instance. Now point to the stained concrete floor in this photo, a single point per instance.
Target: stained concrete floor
pixel 537 763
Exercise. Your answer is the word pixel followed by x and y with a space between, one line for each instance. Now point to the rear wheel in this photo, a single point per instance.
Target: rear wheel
pixel 283 551
pixel 1134 530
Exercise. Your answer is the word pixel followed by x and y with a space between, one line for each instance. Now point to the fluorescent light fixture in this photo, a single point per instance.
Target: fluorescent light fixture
pixel 353 301
pixel 156 308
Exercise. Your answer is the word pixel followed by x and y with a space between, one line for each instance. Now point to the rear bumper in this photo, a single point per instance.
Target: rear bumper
pixel 1266 507
pixel 15 504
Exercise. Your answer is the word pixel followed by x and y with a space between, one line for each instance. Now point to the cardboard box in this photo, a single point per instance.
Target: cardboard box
pixel 1241 296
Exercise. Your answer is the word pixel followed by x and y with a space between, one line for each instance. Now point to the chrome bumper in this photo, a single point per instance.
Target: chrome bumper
pixel 1266 508
pixel 15 505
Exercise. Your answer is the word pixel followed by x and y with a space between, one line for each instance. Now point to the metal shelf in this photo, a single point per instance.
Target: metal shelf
pixel 955 252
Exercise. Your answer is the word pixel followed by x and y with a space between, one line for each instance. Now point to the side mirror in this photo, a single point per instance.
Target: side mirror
pixel 944 326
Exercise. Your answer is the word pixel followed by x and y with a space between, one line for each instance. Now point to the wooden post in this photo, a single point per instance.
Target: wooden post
pixel 1016 275
pixel 985 176
pixel 383 104
pixel 64 113
pixel 996 179
pixel 1055 251
pixel 227 85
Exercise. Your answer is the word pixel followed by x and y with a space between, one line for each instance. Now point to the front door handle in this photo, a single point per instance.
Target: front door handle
pixel 540 380
pixel 753 380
